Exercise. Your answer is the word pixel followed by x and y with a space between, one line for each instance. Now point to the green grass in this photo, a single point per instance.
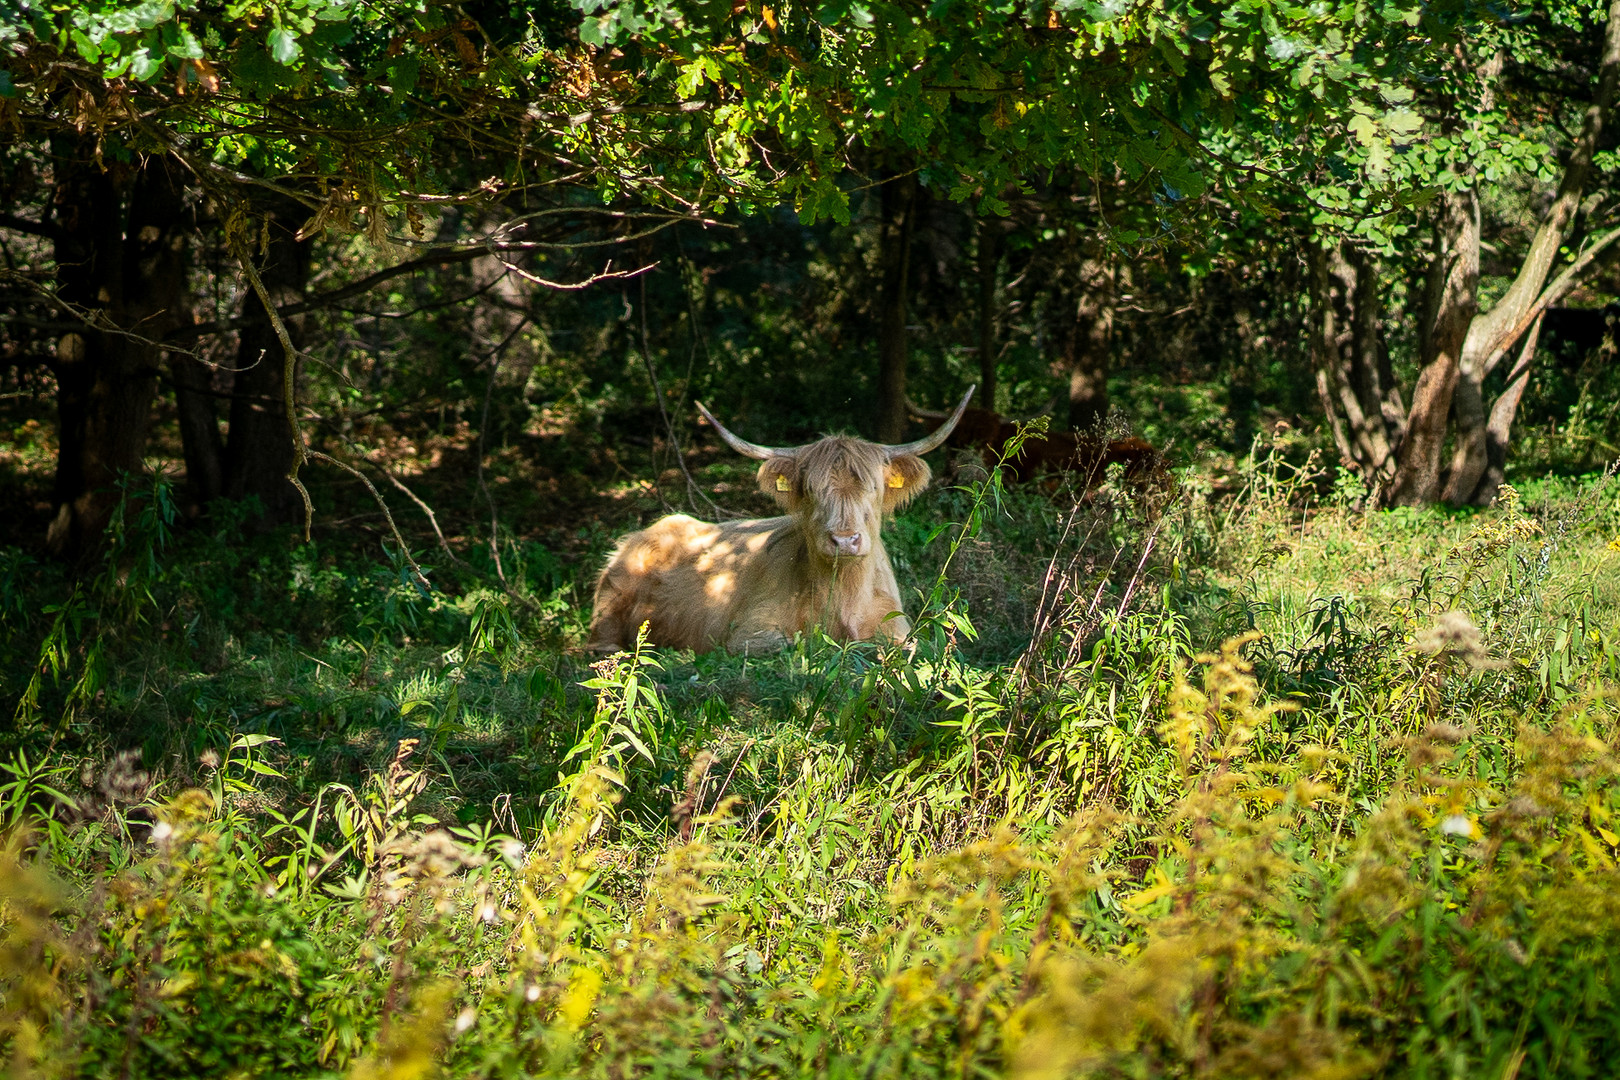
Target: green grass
pixel 276 810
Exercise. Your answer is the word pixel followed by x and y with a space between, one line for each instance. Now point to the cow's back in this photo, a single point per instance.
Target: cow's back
pixel 689 580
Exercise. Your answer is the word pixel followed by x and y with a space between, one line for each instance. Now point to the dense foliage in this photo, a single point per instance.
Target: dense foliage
pixel 340 341
pixel 1370 836
pixel 1386 202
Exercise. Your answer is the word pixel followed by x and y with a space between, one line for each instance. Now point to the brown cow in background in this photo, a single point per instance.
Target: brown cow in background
pixel 1058 452
pixel 751 585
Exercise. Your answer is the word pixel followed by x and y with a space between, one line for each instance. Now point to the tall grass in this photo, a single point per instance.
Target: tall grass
pixel 1270 786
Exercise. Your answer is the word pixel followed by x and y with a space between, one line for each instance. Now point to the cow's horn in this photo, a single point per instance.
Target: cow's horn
pixel 924 414
pixel 743 446
pixel 937 436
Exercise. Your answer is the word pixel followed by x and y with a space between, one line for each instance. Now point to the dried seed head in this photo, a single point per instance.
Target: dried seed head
pixel 1455 634
pixel 1447 733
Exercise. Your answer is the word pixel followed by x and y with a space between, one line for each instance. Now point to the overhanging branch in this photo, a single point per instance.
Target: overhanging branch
pixel 436 257
pixel 1560 287
pixel 32 228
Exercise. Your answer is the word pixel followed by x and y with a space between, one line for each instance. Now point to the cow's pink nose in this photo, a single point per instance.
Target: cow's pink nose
pixel 847 543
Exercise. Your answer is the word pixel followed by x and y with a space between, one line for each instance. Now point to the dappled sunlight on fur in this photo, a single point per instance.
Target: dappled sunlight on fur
pixel 751 586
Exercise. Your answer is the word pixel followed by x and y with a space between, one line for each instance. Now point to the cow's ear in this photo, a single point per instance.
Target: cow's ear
pixel 903 478
pixel 779 478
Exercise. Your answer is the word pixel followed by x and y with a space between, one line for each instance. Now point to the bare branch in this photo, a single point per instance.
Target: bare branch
pixel 404 549
pixel 433 518
pixel 32 228
pixel 483 428
pixel 288 385
pixel 435 257
pixel 692 487
pixel 1561 286
pixel 606 274
pixel 87 318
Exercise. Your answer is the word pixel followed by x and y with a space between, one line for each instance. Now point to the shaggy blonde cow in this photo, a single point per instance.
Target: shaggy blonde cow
pixel 751 585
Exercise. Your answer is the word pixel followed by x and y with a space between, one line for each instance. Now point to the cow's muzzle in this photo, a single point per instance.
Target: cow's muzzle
pixel 848 543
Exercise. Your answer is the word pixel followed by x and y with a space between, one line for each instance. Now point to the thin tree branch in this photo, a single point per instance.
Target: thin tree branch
pixel 404 548
pixel 565 286
pixel 658 395
pixel 1561 286
pixel 433 519
pixel 288 384
pixel 435 257
pixel 32 228
pixel 88 318
pixel 483 428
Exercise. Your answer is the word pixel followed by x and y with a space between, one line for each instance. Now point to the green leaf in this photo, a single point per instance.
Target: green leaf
pixel 1403 121
pixel 691 77
pixel 184 44
pixel 143 65
pixel 335 11
pixel 88 50
pixel 283 46
pixel 821 198
pixel 635 743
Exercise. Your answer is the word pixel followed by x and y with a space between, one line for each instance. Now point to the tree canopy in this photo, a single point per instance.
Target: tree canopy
pixel 401 139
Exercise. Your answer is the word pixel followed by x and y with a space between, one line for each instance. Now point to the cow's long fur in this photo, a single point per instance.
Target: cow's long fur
pixel 751 585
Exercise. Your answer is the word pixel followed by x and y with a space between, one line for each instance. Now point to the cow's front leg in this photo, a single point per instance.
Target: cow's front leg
pixel 894 629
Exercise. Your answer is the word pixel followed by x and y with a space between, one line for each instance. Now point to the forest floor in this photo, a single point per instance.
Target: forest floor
pixel 277 809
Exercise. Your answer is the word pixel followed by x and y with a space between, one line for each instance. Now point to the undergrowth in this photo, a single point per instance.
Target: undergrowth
pixel 1274 786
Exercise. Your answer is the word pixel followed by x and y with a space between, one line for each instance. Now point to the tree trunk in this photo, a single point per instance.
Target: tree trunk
pixel 1452 298
pixel 1353 377
pixel 899 209
pixel 1088 347
pixel 989 264
pixel 1492 334
pixel 260 451
pixel 1332 290
pixel 197 409
pixel 124 267
pixel 1469 453
pixel 1499 426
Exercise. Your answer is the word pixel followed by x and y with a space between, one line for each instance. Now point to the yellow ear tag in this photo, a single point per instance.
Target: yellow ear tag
pixel 897 481
pixel 782 484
